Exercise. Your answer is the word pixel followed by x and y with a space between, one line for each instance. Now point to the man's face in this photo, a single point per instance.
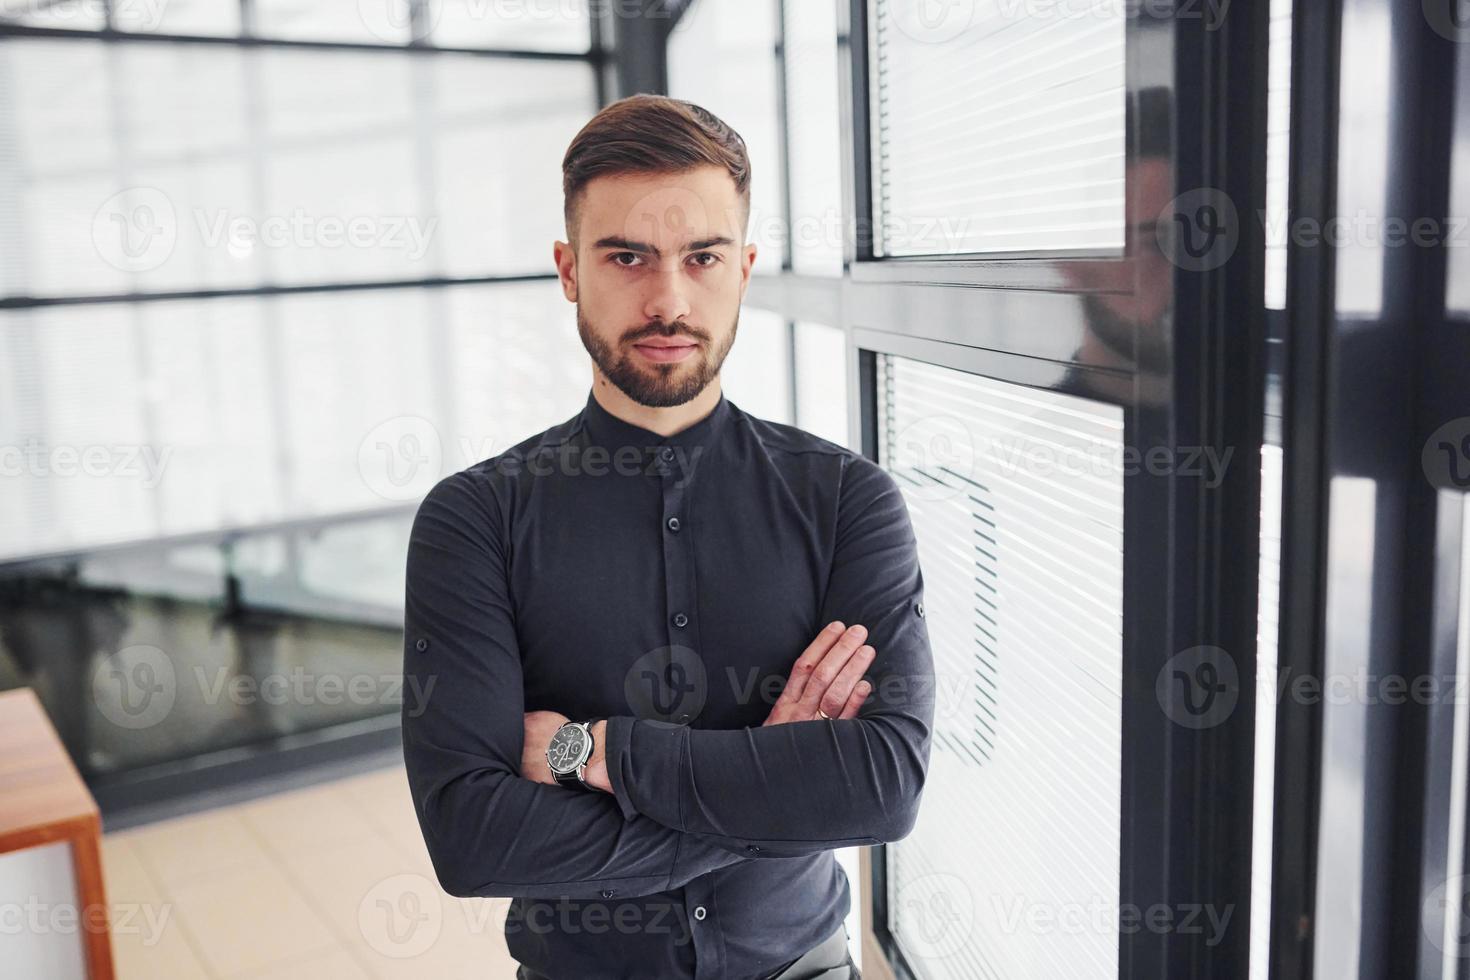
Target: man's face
pixel 658 275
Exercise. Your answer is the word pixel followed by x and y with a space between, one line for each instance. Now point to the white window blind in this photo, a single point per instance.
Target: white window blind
pixel 1016 497
pixel 998 127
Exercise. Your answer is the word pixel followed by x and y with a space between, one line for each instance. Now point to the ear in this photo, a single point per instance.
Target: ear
pixel 566 269
pixel 747 259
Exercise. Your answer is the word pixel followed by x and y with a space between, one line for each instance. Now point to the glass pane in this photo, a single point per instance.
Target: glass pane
pixel 813 138
pixel 207 166
pixel 1027 155
pixel 206 17
pixel 537 25
pixel 71 15
pixel 757 372
pixel 1016 497
pixel 722 56
pixel 821 381
pixel 365 22
pixel 142 419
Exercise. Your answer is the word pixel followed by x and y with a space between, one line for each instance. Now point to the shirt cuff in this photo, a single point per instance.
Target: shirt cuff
pixel 646 781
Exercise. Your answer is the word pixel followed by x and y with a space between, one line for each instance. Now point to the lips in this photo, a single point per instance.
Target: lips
pixel 664 343
pixel 666 349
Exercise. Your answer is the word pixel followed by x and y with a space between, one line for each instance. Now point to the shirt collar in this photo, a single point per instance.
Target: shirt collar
pixel 607 430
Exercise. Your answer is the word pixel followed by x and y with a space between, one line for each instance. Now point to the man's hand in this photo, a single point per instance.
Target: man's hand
pixel 828 675
pixel 540 727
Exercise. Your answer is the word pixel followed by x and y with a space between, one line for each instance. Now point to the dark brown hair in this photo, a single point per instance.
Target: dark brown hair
pixel 651 134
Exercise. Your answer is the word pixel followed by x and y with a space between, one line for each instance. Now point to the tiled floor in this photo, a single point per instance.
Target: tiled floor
pixel 330 882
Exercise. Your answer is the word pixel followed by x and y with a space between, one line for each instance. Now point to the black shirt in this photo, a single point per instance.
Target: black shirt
pixel 669 583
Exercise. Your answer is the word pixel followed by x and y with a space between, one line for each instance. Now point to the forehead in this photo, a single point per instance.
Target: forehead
pixel 666 210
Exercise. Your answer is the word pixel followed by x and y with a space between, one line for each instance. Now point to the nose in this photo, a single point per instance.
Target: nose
pixel 666 300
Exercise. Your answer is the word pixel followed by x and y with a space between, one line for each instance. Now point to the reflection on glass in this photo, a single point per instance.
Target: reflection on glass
pixel 160 653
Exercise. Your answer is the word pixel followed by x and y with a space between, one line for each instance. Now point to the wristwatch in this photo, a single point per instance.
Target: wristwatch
pixel 569 752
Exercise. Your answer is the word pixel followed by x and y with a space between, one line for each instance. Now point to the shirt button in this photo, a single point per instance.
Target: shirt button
pixel 682 719
pixel 673 524
pixel 681 620
pixel 699 912
pixel 753 848
pixel 666 454
pixel 919 608
pixel 607 893
pixel 421 645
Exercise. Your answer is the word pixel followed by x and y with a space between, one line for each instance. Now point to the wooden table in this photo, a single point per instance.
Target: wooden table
pixel 44 801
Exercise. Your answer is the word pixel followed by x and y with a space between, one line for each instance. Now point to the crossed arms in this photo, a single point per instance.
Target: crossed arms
pixel 711 798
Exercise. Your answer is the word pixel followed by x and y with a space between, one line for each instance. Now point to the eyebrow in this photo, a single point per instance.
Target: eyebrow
pixel 627 245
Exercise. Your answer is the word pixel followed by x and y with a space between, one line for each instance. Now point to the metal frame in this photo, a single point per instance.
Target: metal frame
pixel 1311 195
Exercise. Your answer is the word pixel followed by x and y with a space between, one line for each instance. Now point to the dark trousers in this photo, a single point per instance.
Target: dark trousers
pixel 828 960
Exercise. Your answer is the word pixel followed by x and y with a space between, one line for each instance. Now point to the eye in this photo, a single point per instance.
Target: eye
pixel 617 255
pixel 706 255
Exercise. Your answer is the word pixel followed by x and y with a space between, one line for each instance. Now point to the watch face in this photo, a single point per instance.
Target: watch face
pixel 567 748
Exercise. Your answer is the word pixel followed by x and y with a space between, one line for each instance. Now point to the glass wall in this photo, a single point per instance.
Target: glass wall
pixel 260 294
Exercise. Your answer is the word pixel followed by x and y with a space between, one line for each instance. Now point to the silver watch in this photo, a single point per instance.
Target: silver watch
pixel 569 752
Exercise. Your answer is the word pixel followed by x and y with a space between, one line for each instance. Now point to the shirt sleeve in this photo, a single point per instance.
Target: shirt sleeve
pixel 784 790
pixel 490 832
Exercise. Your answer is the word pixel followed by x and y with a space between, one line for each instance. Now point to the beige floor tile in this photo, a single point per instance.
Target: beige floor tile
pixel 383 799
pixel 332 881
pixel 171 957
pixel 335 965
pixel 337 880
pixel 199 845
pixel 306 820
pixel 147 939
pixel 249 918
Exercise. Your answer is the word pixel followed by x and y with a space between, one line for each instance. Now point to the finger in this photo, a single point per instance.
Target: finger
pixel 835 698
pixel 860 692
pixel 826 672
pixel 808 661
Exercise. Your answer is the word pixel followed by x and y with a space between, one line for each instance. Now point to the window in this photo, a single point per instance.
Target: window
pixel 813 139
pixel 722 56
pixel 1027 155
pixel 821 381
pixel 1016 495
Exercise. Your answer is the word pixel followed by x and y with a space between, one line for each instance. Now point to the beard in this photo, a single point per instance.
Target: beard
pixel 649 383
